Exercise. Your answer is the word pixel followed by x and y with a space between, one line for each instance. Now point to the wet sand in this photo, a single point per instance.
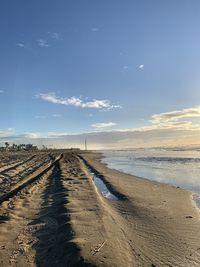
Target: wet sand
pixel 61 219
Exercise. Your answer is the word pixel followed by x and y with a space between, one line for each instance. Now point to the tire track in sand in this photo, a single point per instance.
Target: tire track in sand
pixel 35 225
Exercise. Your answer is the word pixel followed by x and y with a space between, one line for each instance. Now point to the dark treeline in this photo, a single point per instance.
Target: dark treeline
pixel 20 147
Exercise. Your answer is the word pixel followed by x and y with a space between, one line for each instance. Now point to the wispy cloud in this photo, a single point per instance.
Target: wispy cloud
pixel 77 102
pixel 125 67
pixel 103 125
pixel 56 115
pixel 141 66
pixel 7 132
pixel 20 45
pixel 32 135
pixel 40 117
pixel 44 117
pixel 42 43
pixel 94 29
pixel 56 134
pixel 1 91
pixel 55 35
pixel 176 115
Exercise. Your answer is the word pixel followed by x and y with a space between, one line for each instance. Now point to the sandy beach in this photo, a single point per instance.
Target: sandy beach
pixel 52 214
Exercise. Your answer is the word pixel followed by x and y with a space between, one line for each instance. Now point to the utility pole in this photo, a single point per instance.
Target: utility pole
pixel 85 144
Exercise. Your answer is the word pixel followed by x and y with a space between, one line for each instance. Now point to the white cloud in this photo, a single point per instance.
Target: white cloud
pixel 176 115
pixel 55 35
pixel 141 66
pixel 42 43
pixel 182 125
pixel 32 135
pixel 1 91
pixel 21 45
pixel 171 120
pixel 103 125
pixel 77 102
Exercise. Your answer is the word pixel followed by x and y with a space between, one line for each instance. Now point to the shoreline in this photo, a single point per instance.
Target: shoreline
pixel 161 210
pixel 195 197
pixel 99 155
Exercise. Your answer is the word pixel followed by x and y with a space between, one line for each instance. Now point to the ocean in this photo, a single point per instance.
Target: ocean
pixel 175 166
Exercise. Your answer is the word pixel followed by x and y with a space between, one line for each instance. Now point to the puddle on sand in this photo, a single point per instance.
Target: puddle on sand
pixel 102 187
pixel 196 198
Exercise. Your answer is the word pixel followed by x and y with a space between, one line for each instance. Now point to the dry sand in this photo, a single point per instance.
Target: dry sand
pixel 61 219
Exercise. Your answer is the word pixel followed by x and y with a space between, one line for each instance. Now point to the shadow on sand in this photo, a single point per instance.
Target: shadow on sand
pixel 53 229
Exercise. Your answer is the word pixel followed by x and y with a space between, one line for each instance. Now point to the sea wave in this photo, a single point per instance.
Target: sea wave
pixel 169 159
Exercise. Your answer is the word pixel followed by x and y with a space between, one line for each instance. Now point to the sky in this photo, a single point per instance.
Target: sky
pixel 121 73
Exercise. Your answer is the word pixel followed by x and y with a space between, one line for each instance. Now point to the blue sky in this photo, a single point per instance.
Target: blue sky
pixel 72 67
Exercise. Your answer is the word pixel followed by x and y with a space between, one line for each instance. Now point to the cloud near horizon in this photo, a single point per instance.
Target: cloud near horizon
pixel 77 102
pixel 7 132
pixel 31 135
pixel 172 120
pixel 176 115
pixel 181 125
pixel 103 125
pixel 56 134
pixel 109 140
pixel 166 129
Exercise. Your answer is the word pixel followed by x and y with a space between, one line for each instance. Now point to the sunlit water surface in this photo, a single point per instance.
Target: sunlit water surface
pixel 179 167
